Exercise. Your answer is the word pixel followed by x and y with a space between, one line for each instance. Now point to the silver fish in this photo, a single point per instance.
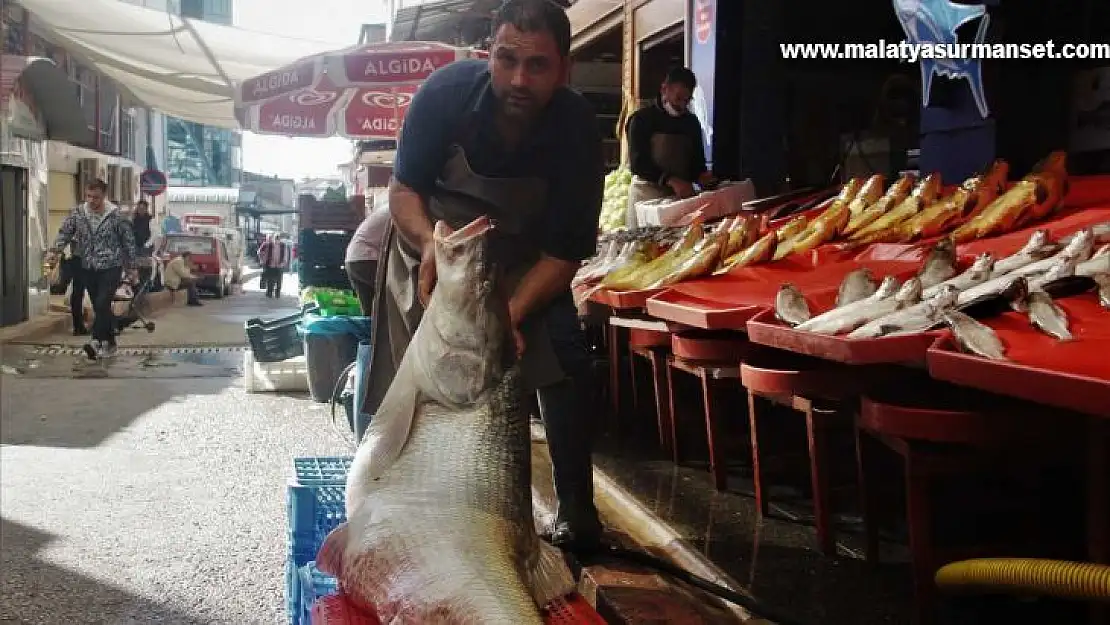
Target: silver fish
pixel 1100 233
pixel 1038 247
pixel 831 318
pixel 939 265
pixel 1103 282
pixel 908 295
pixel 439 512
pixel 1080 247
pixel 973 336
pixel 1064 267
pixel 856 286
pixel 977 273
pixel 1046 316
pixel 917 318
pixel 790 305
pixel 1099 263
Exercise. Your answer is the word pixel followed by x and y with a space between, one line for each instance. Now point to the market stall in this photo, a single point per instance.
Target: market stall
pixel 868 311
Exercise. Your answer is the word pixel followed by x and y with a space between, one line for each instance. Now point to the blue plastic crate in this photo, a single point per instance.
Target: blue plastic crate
pixel 314 585
pixel 319 470
pixel 313 511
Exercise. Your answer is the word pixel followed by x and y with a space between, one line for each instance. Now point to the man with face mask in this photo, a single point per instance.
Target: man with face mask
pixel 665 145
pixel 506 139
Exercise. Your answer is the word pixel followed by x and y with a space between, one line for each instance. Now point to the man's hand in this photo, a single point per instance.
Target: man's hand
pixel 426 274
pixel 707 179
pixel 681 188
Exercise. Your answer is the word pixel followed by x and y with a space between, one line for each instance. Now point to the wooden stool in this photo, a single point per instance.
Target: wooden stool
pixel 710 374
pixel 823 392
pixel 940 430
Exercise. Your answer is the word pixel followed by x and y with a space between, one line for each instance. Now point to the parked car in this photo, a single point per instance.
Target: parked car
pixel 212 265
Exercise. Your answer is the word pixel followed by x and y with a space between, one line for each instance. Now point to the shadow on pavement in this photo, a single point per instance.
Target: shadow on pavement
pixel 35 591
pixel 56 412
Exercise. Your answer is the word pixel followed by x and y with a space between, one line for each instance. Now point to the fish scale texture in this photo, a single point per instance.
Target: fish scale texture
pixel 446 534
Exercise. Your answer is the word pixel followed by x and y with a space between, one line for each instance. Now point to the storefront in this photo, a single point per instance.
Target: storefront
pixel 36 104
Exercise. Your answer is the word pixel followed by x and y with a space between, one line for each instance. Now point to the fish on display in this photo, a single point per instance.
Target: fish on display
pixel 757 252
pixel 853 316
pixel 1063 267
pixel 1103 282
pixel 790 305
pixel 973 336
pixel 856 286
pixel 917 318
pixel 828 322
pixel 939 265
pixel 1079 247
pixel 1046 316
pixel 439 504
pixel 1100 234
pixel 978 273
pixel 1096 264
pixel 1037 248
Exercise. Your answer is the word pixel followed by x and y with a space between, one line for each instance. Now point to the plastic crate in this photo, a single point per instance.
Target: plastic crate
pixel 274 340
pixel 314 586
pixel 290 376
pixel 572 610
pixel 320 470
pixel 334 276
pixel 315 214
pixel 314 511
pixel 323 247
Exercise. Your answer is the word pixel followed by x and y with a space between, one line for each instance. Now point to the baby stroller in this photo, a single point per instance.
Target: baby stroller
pixel 136 295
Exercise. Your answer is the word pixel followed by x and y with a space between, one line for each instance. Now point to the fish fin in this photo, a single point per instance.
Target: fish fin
pixel 390 427
pixel 330 558
pixel 549 578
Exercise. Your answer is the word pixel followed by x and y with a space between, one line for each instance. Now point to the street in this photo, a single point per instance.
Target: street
pixel 150 488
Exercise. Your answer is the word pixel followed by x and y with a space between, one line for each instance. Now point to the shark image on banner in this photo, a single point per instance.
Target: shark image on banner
pixel 935 22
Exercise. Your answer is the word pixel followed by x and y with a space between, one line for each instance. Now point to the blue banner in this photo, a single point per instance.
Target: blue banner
pixel 701 33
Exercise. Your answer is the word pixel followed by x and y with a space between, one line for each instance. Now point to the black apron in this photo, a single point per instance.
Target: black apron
pixel 672 153
pixel 461 196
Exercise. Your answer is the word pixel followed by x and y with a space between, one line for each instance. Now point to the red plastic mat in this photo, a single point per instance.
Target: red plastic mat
pixel 1071 374
pixel 698 313
pixel 623 300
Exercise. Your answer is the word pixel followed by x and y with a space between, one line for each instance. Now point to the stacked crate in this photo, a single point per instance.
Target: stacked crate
pixel 315 506
pixel 326 227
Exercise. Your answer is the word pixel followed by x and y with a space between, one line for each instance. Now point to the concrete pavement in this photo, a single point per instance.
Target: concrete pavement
pixel 149 489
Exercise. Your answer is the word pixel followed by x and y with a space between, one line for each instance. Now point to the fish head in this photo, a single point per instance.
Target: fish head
pixel 889 286
pixel 945 298
pixel 1082 243
pixel 1016 290
pixel 983 263
pixel 910 292
pixel 462 261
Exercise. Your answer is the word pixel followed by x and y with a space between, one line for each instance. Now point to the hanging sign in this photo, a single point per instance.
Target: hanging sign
pixel 932 22
pixel 152 182
pixel 701 32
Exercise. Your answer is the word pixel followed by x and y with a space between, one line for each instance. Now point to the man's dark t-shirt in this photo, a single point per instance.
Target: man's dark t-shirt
pixel 140 226
pixel 652 120
pixel 457 105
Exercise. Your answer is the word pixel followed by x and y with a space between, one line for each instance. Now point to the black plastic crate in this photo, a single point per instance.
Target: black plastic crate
pixel 334 276
pixel 275 340
pixel 323 247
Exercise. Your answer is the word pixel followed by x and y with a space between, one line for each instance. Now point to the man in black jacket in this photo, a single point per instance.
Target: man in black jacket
pixel 665 144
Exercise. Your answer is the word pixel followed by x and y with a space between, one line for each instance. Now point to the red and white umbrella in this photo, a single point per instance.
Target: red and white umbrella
pixel 361 92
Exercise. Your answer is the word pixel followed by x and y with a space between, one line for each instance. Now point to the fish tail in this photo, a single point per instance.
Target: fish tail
pixel 549 578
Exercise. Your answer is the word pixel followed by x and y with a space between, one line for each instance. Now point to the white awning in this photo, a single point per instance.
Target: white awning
pixel 183 67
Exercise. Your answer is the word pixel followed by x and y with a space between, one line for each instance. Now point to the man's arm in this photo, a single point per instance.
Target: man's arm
pixel 65 233
pixel 410 214
pixel 639 150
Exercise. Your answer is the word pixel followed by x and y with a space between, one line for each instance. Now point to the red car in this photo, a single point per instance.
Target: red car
pixel 211 263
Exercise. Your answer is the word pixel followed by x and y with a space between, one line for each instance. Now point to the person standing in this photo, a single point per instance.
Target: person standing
pixel 665 145
pixel 506 139
pixel 362 256
pixel 273 254
pixel 107 247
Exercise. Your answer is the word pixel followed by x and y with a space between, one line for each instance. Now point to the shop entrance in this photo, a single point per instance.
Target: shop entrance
pixel 13 246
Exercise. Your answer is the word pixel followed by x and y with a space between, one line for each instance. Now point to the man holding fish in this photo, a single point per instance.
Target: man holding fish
pixel 505 139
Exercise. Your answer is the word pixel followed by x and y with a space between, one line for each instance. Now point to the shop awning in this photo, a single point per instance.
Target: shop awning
pixel 52 92
pixel 182 67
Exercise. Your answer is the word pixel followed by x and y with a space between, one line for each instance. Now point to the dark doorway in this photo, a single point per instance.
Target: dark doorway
pixel 13 245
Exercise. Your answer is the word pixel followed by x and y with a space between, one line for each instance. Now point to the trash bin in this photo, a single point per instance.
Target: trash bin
pixel 330 344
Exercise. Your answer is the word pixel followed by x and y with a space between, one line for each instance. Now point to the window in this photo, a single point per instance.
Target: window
pixel 201 246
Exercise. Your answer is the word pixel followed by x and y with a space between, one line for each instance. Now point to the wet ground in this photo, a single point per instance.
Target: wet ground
pixel 149 488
